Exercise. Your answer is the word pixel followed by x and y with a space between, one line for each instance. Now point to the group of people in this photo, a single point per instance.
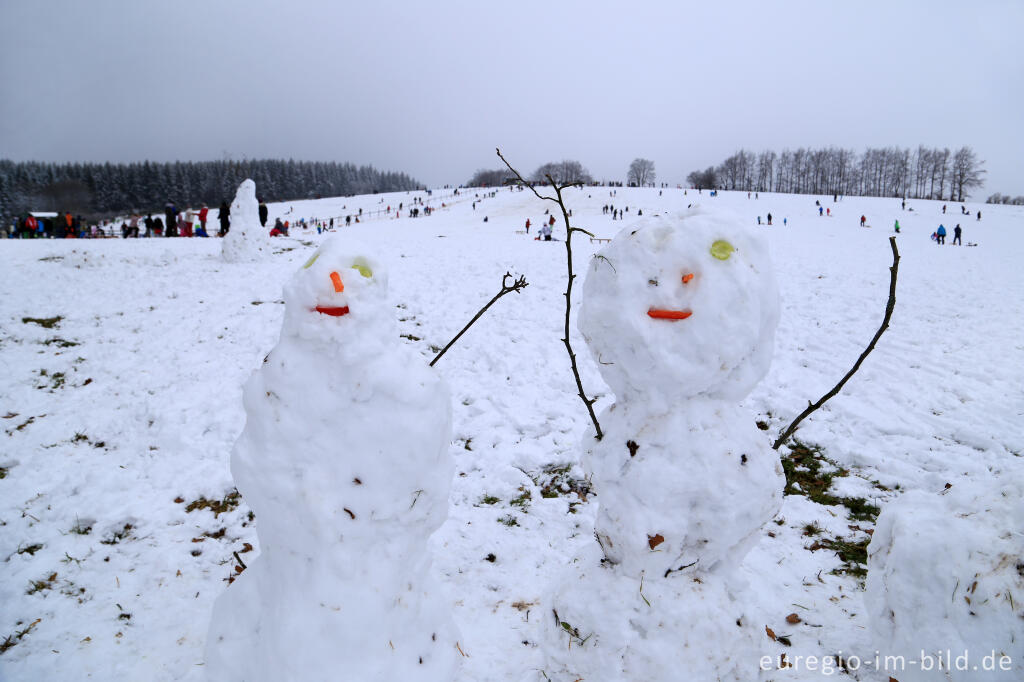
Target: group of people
pixel 939 236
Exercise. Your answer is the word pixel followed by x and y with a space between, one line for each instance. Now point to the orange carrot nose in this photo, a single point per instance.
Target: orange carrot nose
pixel 687 277
pixel 338 286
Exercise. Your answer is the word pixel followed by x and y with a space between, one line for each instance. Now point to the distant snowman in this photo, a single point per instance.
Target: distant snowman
pixel 344 460
pixel 247 241
pixel 679 314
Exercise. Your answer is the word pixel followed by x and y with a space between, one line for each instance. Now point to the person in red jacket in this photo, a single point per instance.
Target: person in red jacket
pixel 527 226
pixel 202 216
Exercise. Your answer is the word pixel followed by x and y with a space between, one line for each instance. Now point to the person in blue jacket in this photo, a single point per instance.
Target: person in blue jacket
pixel 941 234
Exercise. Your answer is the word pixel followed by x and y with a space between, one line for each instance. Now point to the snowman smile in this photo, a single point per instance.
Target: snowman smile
pixel 333 311
pixel 663 314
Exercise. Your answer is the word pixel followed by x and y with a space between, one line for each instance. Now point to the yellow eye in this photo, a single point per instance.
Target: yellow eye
pixel 363 269
pixel 722 249
pixel 312 260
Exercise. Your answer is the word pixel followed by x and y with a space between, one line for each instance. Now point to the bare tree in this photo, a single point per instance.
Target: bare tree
pixel 641 173
pixel 563 172
pixel 967 172
pixel 489 178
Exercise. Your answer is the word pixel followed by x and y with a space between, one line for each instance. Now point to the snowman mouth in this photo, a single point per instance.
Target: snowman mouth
pixel 333 311
pixel 664 314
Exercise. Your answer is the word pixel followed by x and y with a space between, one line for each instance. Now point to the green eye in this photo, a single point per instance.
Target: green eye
pixel 312 260
pixel 722 249
pixel 363 269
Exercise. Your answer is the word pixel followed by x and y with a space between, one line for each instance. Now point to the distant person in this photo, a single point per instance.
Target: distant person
pixel 203 212
pixel 224 216
pixel 897 227
pixel 278 229
pixel 769 218
pixel 828 212
pixel 528 225
pixel 821 211
pixel 158 226
pixel 941 234
pixel 263 214
pixel 863 220
pixel 148 222
pixel 903 205
pixel 979 215
pixel 170 216
pixel 758 220
pixel 943 209
pixel 956 235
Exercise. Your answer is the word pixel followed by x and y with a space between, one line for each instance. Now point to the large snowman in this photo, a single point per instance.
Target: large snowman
pixel 679 314
pixel 344 460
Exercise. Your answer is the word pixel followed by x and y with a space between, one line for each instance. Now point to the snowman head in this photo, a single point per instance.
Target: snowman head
pixel 336 291
pixel 681 306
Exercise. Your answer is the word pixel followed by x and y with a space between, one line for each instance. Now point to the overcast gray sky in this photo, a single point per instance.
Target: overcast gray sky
pixel 431 88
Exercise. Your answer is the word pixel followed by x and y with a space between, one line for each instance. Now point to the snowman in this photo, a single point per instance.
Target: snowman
pixel 344 460
pixel 247 241
pixel 679 314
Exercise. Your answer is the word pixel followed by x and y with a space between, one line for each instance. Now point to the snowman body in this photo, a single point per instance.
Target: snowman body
pixel 679 313
pixel 247 241
pixel 344 460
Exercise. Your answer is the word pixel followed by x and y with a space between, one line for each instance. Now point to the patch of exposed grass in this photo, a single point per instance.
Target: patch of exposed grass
pixel 805 474
pixel 3 472
pixel 489 499
pixel 11 640
pixel 853 554
pixel 80 529
pixel 30 549
pixel 508 520
pixel 860 509
pixel 41 585
pixel 45 322
pixel 118 535
pixel 522 500
pixel 218 507
pixel 60 343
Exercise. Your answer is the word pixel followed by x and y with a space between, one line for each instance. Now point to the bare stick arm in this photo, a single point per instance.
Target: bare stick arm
pixel 517 285
pixel 811 407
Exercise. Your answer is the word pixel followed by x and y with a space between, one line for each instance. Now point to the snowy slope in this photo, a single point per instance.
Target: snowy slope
pixel 112 430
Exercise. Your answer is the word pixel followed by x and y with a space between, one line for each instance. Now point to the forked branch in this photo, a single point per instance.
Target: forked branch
pixel 516 285
pixel 811 407
pixel 558 199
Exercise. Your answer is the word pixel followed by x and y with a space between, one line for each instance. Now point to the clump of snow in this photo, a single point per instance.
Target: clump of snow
pixel 946 580
pixel 680 314
pixel 247 241
pixel 344 460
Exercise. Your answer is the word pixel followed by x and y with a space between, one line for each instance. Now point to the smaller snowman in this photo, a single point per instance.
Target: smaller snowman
pixel 679 314
pixel 344 460
pixel 946 581
pixel 247 241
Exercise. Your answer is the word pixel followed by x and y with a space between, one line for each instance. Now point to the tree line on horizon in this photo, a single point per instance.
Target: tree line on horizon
pixel 923 173
pixel 106 189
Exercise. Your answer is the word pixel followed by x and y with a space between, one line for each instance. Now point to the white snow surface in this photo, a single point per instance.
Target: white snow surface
pixel 946 574
pixel 145 409
pixel 247 240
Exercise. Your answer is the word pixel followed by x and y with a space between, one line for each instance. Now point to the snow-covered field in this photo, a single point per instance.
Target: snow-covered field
pixel 120 397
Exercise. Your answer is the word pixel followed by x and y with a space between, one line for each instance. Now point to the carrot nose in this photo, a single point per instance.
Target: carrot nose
pixel 687 277
pixel 338 286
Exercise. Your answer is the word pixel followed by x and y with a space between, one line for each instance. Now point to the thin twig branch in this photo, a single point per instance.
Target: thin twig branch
pixel 588 402
pixel 517 285
pixel 889 306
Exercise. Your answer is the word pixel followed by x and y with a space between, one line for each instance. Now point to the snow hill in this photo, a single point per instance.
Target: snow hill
pixel 120 399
